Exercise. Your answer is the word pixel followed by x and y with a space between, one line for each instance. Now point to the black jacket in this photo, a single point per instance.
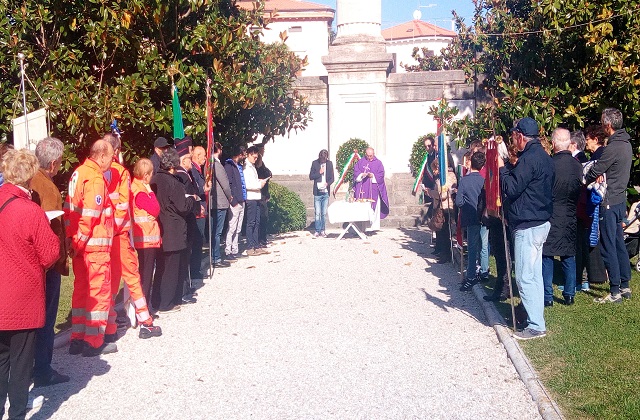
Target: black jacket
pixel 197 175
pixel 316 176
pixel 469 189
pixel 264 173
pixel 528 187
pixel 561 240
pixel 174 208
pixel 235 182
pixel 615 162
pixel 155 160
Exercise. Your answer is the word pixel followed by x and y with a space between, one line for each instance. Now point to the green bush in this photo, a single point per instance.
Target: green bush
pixel 343 154
pixel 287 212
pixel 417 154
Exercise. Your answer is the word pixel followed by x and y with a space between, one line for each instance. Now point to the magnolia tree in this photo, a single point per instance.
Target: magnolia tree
pixel 560 62
pixel 99 60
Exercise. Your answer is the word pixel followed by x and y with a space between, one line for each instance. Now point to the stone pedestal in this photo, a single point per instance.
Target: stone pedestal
pixel 358 66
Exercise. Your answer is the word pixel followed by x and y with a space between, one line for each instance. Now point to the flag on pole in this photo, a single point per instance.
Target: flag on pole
pixel 442 153
pixel 419 176
pixel 352 160
pixel 209 168
pixel 178 126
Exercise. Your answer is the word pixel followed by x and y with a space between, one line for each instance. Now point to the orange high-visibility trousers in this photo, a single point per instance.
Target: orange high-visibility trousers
pixel 91 299
pixel 124 266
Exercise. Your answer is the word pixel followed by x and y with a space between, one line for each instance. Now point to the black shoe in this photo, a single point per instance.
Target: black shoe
pixel 548 303
pixel 231 257
pixel 52 379
pixel 76 347
pixel 221 264
pixel 495 297
pixel 105 348
pixel 443 260
pixel 111 338
pixel 568 300
pixel 148 331
pixel 187 299
pixel 467 285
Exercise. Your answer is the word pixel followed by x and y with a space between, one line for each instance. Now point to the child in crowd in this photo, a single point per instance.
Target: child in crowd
pixel 470 187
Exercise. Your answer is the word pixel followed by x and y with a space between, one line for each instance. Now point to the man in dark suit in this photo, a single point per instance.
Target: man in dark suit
pixel 322 176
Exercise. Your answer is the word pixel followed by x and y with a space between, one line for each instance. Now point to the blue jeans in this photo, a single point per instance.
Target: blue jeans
pixel 484 251
pixel 474 243
pixel 217 227
pixel 569 271
pixel 614 251
pixel 45 335
pixel 320 204
pixel 528 257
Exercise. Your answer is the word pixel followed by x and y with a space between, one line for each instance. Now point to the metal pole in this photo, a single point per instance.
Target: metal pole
pixel 24 97
pixel 507 252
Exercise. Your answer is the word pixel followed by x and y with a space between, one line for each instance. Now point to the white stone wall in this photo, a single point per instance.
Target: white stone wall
pixel 306 38
pixel 293 155
pixel 404 49
pixel 405 123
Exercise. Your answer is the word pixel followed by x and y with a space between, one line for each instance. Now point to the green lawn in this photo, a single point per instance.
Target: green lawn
pixel 590 359
pixel 64 308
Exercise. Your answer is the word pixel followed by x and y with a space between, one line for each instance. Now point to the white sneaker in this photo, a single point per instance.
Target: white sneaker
pixel 316 235
pixel 35 401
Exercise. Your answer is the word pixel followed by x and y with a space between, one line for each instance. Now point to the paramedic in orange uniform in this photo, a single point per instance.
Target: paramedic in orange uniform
pixel 90 231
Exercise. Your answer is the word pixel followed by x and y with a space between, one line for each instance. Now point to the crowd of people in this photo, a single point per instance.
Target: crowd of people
pixel 147 232
pixel 558 204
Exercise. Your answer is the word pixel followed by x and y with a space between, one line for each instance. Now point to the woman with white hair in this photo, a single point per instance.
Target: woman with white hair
pixel 29 247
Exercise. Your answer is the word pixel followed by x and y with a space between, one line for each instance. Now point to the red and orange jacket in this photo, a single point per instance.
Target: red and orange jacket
pixel 89 216
pixel 146 231
pixel 120 195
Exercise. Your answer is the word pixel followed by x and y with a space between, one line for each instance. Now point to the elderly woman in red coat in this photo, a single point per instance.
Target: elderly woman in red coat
pixel 28 247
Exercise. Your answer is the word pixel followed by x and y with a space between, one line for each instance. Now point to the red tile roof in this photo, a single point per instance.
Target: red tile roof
pixel 415 29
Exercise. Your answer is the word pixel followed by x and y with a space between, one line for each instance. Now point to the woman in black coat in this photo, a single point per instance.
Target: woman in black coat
pixel 175 206
pixel 561 240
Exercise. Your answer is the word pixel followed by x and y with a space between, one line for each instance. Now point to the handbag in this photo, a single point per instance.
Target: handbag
pixel 437 220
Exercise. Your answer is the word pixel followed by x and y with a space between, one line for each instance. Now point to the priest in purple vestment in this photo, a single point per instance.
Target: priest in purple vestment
pixel 368 175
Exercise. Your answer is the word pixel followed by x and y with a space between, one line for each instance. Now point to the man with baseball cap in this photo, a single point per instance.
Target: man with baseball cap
pixel 159 146
pixel 528 187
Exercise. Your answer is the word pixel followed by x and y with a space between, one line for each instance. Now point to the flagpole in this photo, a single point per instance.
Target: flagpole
pixel 24 98
pixel 212 171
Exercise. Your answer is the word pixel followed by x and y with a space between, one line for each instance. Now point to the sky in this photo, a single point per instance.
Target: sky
pixel 438 12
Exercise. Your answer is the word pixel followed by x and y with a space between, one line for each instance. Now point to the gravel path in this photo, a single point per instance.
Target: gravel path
pixel 318 329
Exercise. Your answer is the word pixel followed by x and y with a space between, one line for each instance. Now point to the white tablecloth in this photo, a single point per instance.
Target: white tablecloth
pixel 343 211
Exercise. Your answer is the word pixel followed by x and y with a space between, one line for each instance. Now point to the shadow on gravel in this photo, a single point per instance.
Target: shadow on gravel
pixel 80 369
pixel 418 241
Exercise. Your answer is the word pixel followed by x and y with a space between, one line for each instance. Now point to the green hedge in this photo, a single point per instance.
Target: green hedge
pixel 343 154
pixel 287 212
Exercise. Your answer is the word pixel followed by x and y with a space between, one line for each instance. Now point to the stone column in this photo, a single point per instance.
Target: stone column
pixel 359 20
pixel 357 67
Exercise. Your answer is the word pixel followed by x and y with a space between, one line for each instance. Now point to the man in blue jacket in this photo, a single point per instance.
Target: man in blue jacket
pixel 528 186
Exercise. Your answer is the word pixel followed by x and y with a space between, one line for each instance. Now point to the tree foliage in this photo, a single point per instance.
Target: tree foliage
pixel 558 61
pixel 99 60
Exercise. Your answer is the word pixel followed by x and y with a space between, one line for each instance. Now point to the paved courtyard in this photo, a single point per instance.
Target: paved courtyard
pixel 318 329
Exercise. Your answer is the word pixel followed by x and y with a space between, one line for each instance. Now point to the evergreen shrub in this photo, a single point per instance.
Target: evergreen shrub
pixel 287 212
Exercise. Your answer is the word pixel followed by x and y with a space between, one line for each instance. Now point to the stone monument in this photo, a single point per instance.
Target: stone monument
pixel 358 66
